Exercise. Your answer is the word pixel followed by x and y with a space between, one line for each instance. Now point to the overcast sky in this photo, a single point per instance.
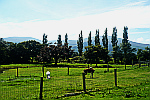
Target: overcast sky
pixel 33 18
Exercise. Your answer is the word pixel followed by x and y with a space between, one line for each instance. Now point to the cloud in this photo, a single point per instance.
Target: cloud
pixel 137 3
pixel 148 40
pixel 139 40
pixel 133 17
pixel 140 32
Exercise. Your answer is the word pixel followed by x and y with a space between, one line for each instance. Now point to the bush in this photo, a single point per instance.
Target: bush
pixel 1 70
pixel 110 62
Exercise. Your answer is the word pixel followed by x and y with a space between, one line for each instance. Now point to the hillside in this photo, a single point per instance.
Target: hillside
pixel 73 43
pixel 20 39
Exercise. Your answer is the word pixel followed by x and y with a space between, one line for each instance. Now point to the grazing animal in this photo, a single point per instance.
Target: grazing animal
pixel 48 75
pixel 89 70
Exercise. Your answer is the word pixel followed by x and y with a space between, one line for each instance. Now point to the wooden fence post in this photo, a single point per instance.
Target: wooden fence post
pixel 132 62
pixel 17 71
pixel 68 70
pixel 84 86
pixel 115 73
pixel 41 87
pixel 43 70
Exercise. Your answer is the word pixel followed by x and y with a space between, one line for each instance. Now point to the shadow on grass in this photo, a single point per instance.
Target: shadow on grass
pixel 91 78
pixel 27 76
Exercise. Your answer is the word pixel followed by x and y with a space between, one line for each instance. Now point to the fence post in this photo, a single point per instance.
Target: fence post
pixel 84 86
pixel 68 70
pixel 115 73
pixel 132 62
pixel 43 70
pixel 17 71
pixel 41 87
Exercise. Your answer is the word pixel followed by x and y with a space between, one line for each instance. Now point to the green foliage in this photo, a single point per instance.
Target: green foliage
pixel 18 53
pixel 66 40
pixel 45 39
pixel 59 42
pixel 126 48
pixel 125 35
pixel 105 40
pixel 114 42
pixel 97 40
pixel 143 55
pixel 80 44
pixel 89 39
pixel 105 44
pixel 93 54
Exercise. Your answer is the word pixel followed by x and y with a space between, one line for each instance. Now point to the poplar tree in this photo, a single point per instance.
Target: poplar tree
pixel 124 42
pixel 114 42
pixel 105 44
pixel 80 44
pixel 45 39
pixel 59 42
pixel 126 47
pixel 89 39
pixel 97 40
pixel 66 40
pixel 105 40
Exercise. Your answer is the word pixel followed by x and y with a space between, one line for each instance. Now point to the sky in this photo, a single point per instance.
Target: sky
pixel 33 18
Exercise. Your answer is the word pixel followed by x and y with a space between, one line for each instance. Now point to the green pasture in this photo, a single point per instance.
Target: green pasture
pixel 133 83
pixel 79 65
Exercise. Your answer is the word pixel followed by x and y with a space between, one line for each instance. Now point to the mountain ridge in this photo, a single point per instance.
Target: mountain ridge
pixel 73 43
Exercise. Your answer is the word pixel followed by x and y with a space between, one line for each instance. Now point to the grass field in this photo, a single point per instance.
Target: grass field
pixel 133 83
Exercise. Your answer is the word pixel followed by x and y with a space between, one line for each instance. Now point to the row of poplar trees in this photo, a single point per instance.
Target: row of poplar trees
pixel 55 51
pixel 95 53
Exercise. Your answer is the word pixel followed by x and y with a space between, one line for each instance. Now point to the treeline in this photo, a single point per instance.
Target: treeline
pixel 121 54
pixel 35 52
pixel 23 52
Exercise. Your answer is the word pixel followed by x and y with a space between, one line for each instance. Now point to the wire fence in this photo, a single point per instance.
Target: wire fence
pixel 141 63
pixel 27 84
pixel 60 84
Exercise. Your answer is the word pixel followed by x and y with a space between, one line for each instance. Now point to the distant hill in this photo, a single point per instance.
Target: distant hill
pixel 20 39
pixel 73 43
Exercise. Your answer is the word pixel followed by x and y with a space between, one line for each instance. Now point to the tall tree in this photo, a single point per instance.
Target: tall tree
pixel 59 42
pixel 147 53
pixel 97 40
pixel 66 39
pixel 114 42
pixel 105 40
pixel 125 43
pixel 33 47
pixel 89 39
pixel 126 46
pixel 93 54
pixel 3 51
pixel 45 39
pixel 80 44
pixel 105 44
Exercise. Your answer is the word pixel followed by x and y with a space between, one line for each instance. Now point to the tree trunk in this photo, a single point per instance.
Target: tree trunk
pixel 125 63
pixel 56 60
pixel 132 62
pixel 107 67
